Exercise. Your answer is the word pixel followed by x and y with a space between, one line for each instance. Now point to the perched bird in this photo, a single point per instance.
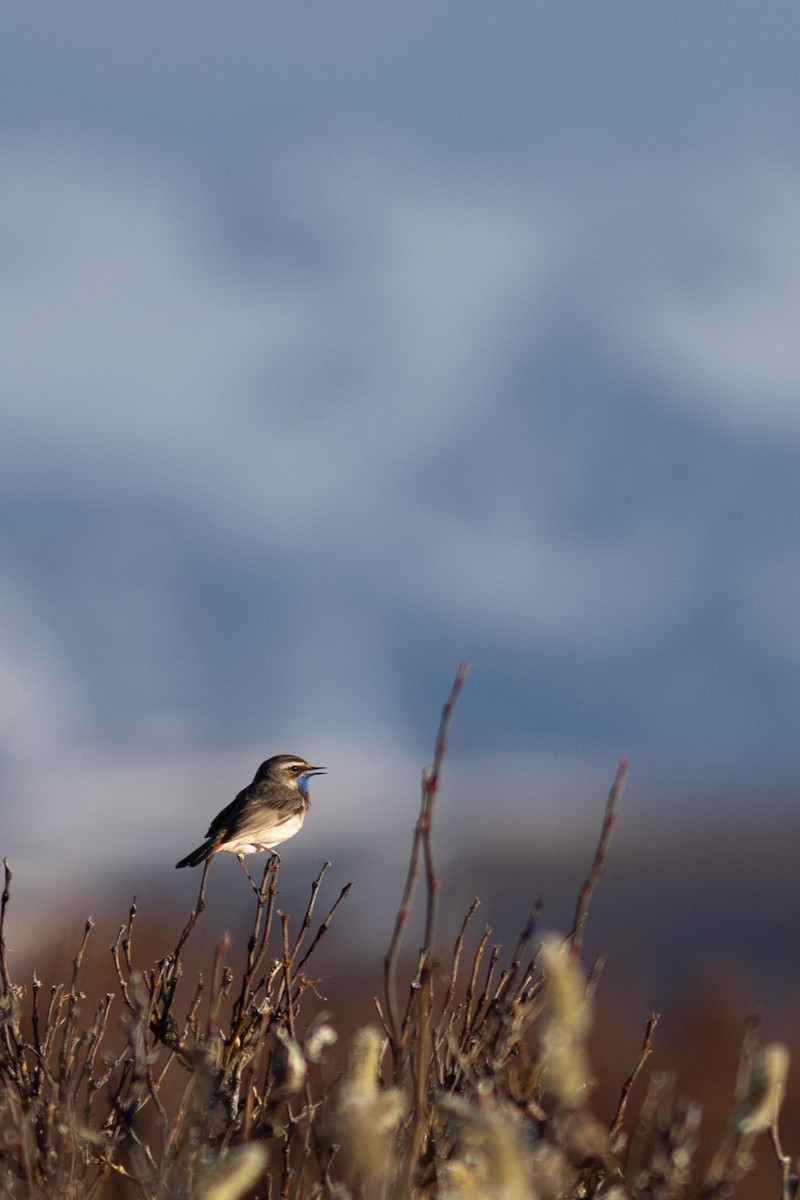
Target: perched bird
pixel 267 812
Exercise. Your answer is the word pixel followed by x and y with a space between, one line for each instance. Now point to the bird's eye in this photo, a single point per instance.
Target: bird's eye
pixel 294 767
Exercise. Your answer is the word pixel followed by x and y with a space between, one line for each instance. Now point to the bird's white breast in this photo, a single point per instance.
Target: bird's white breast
pixel 251 843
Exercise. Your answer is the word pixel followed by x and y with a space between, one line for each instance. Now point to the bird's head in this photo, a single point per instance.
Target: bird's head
pixel 288 770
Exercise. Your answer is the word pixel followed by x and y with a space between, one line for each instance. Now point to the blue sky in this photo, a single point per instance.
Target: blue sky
pixel 343 342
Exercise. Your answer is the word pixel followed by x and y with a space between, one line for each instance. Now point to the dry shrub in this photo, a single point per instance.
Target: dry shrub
pixel 475 1080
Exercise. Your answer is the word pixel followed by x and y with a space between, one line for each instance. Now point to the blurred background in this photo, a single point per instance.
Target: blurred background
pixel 342 342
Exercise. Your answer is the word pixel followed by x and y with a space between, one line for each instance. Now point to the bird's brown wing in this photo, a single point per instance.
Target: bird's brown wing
pixel 255 808
pixel 224 822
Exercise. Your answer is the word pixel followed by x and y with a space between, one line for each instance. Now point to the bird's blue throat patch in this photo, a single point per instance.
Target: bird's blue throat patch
pixel 302 785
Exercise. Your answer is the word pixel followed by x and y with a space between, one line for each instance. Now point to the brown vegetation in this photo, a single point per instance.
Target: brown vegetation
pixel 482 1075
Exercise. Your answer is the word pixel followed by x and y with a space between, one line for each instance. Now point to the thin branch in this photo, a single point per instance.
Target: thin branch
pixel 421 843
pixel 257 944
pixel 432 778
pixel 195 916
pixel 315 886
pixel 287 974
pixel 67 1047
pixel 323 929
pixel 523 943
pixel 172 971
pixel 644 1054
pixel 10 1028
pixel 575 938
pixel 471 986
pixel 457 951
pixel 4 976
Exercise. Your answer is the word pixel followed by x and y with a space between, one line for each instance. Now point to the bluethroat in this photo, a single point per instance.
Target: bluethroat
pixel 267 812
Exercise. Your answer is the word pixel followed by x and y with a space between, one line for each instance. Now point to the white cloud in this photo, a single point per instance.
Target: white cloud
pixel 706 297
pixel 40 704
pixel 525 579
pixel 123 329
pixel 275 407
pixel 767 600
pixel 316 408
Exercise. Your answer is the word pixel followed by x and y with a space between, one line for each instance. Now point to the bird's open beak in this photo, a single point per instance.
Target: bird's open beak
pixel 315 771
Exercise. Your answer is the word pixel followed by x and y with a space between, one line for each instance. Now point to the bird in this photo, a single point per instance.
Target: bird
pixel 266 813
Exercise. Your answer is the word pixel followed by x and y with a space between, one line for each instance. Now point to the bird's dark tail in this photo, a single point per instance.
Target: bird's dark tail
pixel 197 856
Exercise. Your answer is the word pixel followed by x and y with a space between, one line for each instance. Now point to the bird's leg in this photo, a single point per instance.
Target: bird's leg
pixel 273 867
pixel 250 879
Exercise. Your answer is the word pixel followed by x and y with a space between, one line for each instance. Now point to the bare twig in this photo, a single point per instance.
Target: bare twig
pixel 162 1019
pixel 575 938
pixel 199 908
pixel 315 886
pixel 9 1025
pixel 422 843
pixel 257 945
pixel 644 1054
pixel 510 975
pixel 323 929
pixel 457 952
pixel 4 976
pixel 471 986
pixel 287 973
pixel 67 1046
